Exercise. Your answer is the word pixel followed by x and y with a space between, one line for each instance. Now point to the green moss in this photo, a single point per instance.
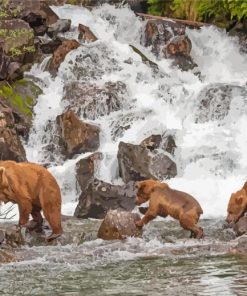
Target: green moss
pixel 21 95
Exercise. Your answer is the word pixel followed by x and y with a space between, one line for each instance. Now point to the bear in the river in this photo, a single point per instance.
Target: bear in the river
pixel 164 201
pixel 237 205
pixel 33 188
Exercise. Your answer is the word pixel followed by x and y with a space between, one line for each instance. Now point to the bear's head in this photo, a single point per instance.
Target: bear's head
pixel 237 206
pixel 145 188
pixel 4 185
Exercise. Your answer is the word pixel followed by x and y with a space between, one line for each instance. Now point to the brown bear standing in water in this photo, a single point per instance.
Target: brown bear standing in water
pixel 237 205
pixel 164 201
pixel 33 188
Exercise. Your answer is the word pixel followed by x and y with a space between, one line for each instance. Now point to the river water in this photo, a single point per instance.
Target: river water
pixel 211 160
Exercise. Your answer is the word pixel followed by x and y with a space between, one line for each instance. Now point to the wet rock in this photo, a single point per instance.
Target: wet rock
pixel 91 101
pixel 13 236
pixel 240 246
pixel 167 39
pixel 158 33
pixel 138 163
pixel 4 64
pixel 241 226
pixel 60 54
pixel 77 136
pixel 48 46
pixel 119 225
pixel 61 26
pixel 152 142
pixel 215 100
pixel 7 256
pixel 85 171
pixel 99 197
pixel 91 62
pixel 85 34
pixel 178 45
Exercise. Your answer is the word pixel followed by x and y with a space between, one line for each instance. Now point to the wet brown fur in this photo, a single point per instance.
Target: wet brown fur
pixel 237 205
pixel 33 188
pixel 164 201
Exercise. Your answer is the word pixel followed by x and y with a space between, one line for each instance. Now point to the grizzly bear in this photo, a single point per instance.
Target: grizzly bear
pixel 164 201
pixel 237 205
pixel 33 188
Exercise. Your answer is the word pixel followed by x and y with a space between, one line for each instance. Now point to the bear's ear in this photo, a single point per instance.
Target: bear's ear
pixel 3 178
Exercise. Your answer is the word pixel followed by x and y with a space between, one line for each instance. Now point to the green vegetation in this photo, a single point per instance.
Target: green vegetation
pixel 200 10
pixel 22 95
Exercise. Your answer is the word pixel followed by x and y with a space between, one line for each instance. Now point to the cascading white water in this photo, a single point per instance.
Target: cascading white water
pixel 211 156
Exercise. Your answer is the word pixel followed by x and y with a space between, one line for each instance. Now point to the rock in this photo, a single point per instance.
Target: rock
pixel 158 33
pixel 152 142
pixel 48 46
pixel 85 170
pixel 241 226
pixel 77 136
pixel 60 54
pixel 215 100
pixel 36 12
pixel 61 26
pixel 240 246
pixel 98 197
pixel 4 64
pixel 119 225
pixel 138 163
pixel 85 34
pixel 178 45
pixel 90 101
pixel 13 236
pixel 22 96
pixel 17 41
pixel 7 256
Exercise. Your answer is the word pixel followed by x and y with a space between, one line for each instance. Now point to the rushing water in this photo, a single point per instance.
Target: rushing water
pixel 211 160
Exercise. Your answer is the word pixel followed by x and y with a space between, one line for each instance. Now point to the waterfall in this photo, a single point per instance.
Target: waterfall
pixel 211 153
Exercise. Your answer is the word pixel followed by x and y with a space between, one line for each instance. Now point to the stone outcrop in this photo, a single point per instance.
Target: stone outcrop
pixel 76 136
pixel 60 26
pixel 119 225
pixel 145 161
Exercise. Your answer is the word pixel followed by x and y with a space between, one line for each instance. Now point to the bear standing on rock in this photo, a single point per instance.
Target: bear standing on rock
pixel 33 188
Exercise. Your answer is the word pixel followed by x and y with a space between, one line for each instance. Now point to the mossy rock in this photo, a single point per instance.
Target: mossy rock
pixel 22 95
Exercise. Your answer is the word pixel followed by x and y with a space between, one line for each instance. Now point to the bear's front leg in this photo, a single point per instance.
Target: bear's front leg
pixel 25 209
pixel 150 215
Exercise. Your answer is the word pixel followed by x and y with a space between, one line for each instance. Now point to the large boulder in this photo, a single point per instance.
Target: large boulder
pixel 36 12
pixel 119 224
pixel 60 54
pixel 140 162
pixel 91 101
pixel 168 40
pixel 215 100
pixel 77 136
pixel 241 226
pixel 16 47
pixel 98 197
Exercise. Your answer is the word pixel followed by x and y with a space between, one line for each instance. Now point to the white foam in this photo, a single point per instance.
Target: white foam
pixel 211 157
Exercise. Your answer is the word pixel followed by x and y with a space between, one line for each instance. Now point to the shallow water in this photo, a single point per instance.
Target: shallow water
pixel 164 262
